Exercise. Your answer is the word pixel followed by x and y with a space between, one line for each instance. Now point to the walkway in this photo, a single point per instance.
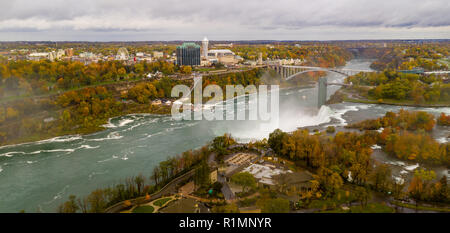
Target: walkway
pixel 169 188
pixel 152 204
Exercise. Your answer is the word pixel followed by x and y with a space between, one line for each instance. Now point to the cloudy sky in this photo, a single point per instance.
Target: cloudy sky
pixel 146 20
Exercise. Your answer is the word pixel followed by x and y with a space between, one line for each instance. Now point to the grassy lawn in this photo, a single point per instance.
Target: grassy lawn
pixel 372 208
pixel 143 209
pixel 331 203
pixel 431 208
pixel 162 201
pixel 369 100
pixel 323 204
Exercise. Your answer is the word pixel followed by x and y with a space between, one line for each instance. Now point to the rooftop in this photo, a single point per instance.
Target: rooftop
pixel 220 51
pixel 188 45
pixel 294 177
pixel 265 172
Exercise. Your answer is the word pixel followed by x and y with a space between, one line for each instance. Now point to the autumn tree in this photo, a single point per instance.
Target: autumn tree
pixel 11 113
pixel 420 184
pixel 186 69
pixel 381 176
pixel 70 206
pixel 362 195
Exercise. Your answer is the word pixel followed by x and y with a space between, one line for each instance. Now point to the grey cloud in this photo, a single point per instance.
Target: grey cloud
pixel 232 16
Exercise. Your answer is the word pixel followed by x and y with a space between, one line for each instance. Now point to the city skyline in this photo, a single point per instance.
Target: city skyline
pixel 232 20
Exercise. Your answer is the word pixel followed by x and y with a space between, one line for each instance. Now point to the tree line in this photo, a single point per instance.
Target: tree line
pixel 42 77
pixel 139 186
pixel 407 57
pixel 399 86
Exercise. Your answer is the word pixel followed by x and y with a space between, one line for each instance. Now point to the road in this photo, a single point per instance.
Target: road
pixel 227 193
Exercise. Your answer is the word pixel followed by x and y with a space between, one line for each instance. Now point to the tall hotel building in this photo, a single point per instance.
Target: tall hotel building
pixel 188 54
pixel 205 48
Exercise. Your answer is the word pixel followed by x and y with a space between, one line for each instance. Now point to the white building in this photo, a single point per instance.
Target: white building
pixel 52 56
pixel 205 43
pixel 60 53
pixel 260 59
pixel 87 55
pixel 220 53
pixel 157 54
pixel 38 56
pixel 224 56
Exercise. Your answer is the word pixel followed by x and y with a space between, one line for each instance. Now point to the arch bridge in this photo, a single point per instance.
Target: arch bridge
pixel 288 72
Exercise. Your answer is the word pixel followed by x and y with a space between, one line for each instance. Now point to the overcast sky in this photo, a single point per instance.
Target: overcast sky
pixel 147 20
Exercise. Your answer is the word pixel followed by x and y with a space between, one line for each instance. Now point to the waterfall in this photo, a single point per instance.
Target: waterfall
pixel 323 116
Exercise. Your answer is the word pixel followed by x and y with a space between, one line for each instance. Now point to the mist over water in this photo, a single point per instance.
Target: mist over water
pixel 41 175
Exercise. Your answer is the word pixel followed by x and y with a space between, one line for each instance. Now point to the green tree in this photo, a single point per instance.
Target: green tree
pixel 221 144
pixel 276 139
pixel 201 176
pixel 245 179
pixel 277 205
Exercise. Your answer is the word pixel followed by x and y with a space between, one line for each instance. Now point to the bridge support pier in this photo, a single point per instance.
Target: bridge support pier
pixel 322 95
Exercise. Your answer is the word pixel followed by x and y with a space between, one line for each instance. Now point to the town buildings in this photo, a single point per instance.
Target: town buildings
pixel 122 54
pixel 224 56
pixel 158 55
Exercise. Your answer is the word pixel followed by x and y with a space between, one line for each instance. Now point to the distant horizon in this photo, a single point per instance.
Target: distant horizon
pixel 142 41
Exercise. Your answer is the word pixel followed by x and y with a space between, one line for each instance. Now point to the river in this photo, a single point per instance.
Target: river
pixel 38 176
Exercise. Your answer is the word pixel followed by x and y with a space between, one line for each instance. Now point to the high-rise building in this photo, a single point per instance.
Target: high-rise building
pixel 205 43
pixel 69 52
pixel 188 54
pixel 260 59
pixel 60 53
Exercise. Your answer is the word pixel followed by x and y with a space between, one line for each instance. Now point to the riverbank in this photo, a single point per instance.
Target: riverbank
pixel 161 110
pixel 84 111
pixel 130 108
pixel 348 95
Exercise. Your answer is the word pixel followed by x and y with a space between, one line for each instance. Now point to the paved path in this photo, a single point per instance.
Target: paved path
pixel 227 193
pixel 169 188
